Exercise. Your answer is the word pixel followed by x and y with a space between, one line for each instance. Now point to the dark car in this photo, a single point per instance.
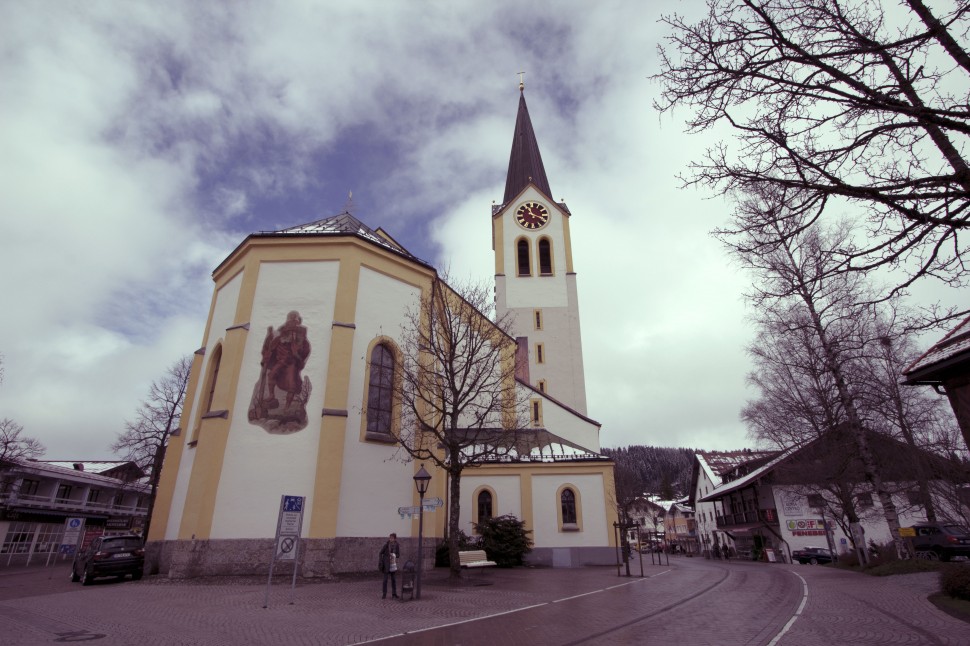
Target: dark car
pixel 941 541
pixel 812 555
pixel 110 556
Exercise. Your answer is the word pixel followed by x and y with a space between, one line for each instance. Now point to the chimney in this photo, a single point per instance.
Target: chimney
pixel 79 466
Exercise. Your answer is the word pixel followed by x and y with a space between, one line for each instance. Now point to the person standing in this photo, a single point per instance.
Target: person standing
pixel 389 555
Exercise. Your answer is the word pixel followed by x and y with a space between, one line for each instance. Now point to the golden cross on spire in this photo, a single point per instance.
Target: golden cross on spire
pixel 521 81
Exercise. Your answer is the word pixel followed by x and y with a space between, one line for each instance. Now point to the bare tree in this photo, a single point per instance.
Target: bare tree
pixel 799 291
pixel 460 404
pixel 859 105
pixel 911 414
pixel 14 445
pixel 145 439
pixel 797 400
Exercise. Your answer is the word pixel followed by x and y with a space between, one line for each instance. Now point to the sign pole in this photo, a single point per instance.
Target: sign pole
pixel 286 544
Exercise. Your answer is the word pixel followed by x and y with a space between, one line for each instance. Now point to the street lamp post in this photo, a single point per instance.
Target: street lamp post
pixel 421 480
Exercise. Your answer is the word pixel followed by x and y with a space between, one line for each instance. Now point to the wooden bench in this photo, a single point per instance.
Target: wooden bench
pixel 474 558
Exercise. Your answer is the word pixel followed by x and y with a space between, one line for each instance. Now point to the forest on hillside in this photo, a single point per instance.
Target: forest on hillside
pixel 663 471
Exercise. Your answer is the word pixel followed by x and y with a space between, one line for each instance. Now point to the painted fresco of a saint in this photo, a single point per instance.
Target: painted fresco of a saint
pixel 280 395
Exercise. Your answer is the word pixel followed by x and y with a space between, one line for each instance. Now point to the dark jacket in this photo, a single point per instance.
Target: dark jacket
pixel 385 559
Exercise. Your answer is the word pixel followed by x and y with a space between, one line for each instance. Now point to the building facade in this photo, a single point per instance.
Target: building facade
pixel 293 393
pixel 801 497
pixel 707 474
pixel 37 498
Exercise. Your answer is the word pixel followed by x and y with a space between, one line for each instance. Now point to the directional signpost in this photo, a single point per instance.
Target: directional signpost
pixel 429 505
pixel 289 526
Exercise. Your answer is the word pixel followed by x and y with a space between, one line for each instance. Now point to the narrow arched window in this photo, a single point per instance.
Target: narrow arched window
pixel 213 378
pixel 380 390
pixel 568 500
pixel 545 257
pixel 523 258
pixel 484 506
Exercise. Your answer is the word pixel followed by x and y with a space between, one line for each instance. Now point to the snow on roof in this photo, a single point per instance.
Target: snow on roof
pixel 718 463
pixel 88 466
pixel 734 485
pixel 942 354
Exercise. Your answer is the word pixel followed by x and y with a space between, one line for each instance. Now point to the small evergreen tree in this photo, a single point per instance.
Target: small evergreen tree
pixel 505 540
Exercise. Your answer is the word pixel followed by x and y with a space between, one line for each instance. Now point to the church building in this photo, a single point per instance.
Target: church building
pixel 292 394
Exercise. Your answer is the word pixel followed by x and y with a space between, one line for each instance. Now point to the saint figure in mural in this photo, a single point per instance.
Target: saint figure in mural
pixel 280 396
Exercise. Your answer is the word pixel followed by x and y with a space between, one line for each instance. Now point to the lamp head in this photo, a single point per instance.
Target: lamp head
pixel 421 480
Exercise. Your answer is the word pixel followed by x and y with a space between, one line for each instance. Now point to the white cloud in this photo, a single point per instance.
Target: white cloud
pixel 142 142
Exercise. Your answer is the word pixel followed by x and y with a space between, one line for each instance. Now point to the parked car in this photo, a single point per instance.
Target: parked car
pixel 812 556
pixel 941 541
pixel 110 556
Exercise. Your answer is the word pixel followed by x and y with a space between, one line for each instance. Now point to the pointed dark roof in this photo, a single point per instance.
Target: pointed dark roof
pixel 525 162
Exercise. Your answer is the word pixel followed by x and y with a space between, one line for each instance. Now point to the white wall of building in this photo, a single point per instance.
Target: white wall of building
pixel 375 479
pixel 567 425
pixel 507 499
pixel 223 316
pixel 802 526
pixel 247 506
pixel 545 504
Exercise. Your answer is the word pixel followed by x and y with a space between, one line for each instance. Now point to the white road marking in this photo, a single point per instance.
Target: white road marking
pixel 795 616
pixel 509 612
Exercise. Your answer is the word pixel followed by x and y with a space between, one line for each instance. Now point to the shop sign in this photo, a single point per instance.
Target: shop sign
pixel 806 527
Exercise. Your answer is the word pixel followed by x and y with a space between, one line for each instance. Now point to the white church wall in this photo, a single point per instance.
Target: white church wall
pixel 223 315
pixel 507 500
pixel 374 479
pixel 259 467
pixel 568 426
pixel 591 506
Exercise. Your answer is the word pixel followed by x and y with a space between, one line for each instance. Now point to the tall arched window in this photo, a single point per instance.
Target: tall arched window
pixel 484 506
pixel 213 377
pixel 545 257
pixel 568 501
pixel 522 249
pixel 380 390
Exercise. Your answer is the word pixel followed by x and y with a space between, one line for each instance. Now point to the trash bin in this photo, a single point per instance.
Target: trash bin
pixel 407 580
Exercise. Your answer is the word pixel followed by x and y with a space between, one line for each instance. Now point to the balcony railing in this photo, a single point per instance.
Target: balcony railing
pixel 67 504
pixel 750 517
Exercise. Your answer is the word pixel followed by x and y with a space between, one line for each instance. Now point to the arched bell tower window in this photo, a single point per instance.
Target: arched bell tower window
pixel 522 258
pixel 545 257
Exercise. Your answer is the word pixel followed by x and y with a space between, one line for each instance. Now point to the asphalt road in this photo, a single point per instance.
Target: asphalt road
pixel 689 601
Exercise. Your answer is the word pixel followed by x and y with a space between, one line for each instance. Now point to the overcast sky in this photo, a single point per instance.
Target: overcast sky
pixel 142 141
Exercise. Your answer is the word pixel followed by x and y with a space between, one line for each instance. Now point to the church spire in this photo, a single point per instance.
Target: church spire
pixel 525 162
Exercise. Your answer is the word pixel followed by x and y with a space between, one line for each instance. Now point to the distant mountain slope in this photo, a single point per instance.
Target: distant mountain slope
pixel 664 471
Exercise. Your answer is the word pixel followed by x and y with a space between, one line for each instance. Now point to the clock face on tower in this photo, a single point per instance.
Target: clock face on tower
pixel 532 215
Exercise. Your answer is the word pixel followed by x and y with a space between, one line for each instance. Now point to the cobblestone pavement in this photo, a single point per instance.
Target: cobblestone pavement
pixel 688 601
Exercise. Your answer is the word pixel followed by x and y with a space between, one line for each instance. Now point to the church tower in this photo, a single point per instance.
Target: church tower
pixel 535 280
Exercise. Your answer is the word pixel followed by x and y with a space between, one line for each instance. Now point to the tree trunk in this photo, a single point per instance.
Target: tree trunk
pixel 155 476
pixel 454 509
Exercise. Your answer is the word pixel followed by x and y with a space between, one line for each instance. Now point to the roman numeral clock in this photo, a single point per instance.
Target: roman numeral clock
pixel 532 215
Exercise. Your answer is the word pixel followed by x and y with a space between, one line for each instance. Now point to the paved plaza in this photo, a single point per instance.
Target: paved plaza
pixel 689 601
